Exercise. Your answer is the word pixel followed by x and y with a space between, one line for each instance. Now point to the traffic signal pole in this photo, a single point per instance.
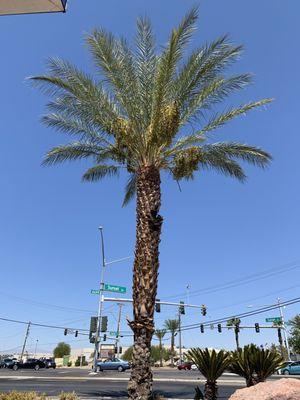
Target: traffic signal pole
pixel 100 303
pixel 118 329
pixel 286 341
pixel 180 339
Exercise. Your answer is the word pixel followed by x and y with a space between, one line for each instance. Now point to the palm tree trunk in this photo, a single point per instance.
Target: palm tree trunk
pixel 145 276
pixel 237 338
pixel 160 352
pixel 210 391
pixel 172 348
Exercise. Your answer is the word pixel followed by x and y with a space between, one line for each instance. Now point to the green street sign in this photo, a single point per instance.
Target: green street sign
pixel 95 291
pixel 277 320
pixel 113 333
pixel 114 288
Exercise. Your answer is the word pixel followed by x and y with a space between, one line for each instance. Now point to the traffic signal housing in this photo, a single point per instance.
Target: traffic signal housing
pixel 257 330
pixel 104 324
pixel 104 337
pixel 203 309
pixel 181 308
pixel 76 333
pixel 157 305
pixel 219 328
pixel 65 332
pixel 202 328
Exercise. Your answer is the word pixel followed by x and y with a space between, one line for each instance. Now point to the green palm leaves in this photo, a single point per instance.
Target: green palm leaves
pixel 140 109
pixel 255 364
pixel 212 365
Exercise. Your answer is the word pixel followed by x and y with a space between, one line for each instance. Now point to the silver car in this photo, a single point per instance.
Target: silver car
pixel 115 364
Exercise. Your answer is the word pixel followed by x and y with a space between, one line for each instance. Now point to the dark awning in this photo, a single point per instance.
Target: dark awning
pixel 31 6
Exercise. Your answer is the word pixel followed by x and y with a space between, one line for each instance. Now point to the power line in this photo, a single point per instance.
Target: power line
pixel 241 281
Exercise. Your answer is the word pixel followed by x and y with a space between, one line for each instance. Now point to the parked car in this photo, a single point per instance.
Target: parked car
pixel 115 364
pixel 8 362
pixel 290 368
pixel 185 365
pixel 194 367
pixel 31 363
pixel 49 362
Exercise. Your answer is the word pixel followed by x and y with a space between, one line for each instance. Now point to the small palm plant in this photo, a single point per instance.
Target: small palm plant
pixel 255 364
pixel 160 333
pixel 172 326
pixel 211 364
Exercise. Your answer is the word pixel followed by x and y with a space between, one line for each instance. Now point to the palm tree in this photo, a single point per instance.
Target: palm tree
pixel 211 364
pixel 148 114
pixel 160 333
pixel 172 326
pixel 255 364
pixel 235 322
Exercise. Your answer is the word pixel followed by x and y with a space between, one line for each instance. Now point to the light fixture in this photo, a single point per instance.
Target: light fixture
pixel 8 7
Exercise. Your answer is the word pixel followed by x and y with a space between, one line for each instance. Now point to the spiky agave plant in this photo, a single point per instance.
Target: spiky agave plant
pixel 212 365
pixel 148 113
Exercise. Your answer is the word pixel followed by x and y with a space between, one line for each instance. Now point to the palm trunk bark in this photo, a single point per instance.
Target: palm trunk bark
pixel 145 277
pixel 210 391
pixel 160 352
pixel 172 348
pixel 236 331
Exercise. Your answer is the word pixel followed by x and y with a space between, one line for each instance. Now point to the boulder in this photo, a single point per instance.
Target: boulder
pixel 282 389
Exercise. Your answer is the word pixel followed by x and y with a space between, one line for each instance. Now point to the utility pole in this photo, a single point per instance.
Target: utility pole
pixel 180 341
pixel 25 340
pixel 118 329
pixel 100 303
pixel 36 344
pixel 286 342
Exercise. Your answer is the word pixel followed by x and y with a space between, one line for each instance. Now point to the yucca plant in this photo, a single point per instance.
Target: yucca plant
pixel 212 365
pixel 148 114
pixel 255 364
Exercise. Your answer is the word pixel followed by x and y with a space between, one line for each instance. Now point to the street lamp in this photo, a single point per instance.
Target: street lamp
pixel 8 7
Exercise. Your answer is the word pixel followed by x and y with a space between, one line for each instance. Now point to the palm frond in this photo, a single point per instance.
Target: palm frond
pixel 99 172
pixel 250 154
pixel 72 151
pixel 145 61
pixel 130 190
pixel 221 119
pixel 167 63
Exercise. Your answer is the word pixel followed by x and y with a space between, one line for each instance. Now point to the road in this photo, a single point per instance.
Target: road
pixel 110 384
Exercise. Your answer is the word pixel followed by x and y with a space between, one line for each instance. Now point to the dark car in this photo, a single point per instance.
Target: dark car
pixel 49 362
pixel 115 364
pixel 31 363
pixel 186 365
pixel 8 362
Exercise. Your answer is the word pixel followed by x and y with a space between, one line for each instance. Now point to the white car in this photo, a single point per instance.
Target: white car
pixel 194 367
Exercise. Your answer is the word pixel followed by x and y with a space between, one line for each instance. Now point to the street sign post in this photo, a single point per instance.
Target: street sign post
pixel 276 320
pixel 95 291
pixel 114 288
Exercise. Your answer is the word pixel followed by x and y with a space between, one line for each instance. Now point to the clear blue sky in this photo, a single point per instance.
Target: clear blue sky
pixel 215 231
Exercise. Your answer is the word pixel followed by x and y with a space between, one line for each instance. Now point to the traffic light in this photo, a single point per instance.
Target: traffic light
pixel 104 337
pixel 181 308
pixel 202 328
pixel 93 326
pixel 219 328
pixel 65 332
pixel 257 328
pixel 203 310
pixel 157 305
pixel 76 333
pixel 104 324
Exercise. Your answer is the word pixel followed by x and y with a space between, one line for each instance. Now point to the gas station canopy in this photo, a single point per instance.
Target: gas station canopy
pixel 31 6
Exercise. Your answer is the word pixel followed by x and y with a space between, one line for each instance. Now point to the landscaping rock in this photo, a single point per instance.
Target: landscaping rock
pixel 283 389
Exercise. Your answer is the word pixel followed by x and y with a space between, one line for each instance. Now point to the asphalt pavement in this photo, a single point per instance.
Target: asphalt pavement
pixel 170 383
